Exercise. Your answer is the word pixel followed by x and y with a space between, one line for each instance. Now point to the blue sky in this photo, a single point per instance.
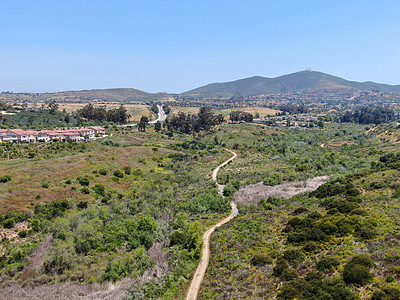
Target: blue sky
pixel 175 46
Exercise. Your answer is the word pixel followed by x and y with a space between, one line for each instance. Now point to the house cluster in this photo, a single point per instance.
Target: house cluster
pixel 32 136
pixel 299 120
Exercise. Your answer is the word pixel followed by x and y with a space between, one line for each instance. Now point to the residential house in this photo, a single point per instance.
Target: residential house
pixel 73 136
pixel 43 136
pixel 98 130
pixel 8 136
pixel 24 136
pixel 31 136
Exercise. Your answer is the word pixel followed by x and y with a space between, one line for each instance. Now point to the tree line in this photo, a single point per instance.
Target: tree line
pixel 369 115
pixel 101 114
pixel 237 116
pixel 189 123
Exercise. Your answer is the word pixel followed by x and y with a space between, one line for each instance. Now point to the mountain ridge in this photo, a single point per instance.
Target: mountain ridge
pixel 251 86
pixel 303 80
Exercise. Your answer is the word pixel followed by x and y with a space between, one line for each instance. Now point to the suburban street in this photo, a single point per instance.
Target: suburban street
pixel 162 116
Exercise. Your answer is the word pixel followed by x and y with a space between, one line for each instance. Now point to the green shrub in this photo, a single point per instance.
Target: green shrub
pixel 288 274
pixel 273 180
pixel 137 172
pixel 293 257
pixel 118 173
pixel 17 215
pixel 133 264
pixel 391 292
pixel 229 190
pixel 23 233
pixel 108 142
pixel 299 211
pixel 311 247
pixel 127 170
pixel 362 259
pixel 85 191
pixel 260 259
pixel 327 227
pixel 365 233
pixel 99 189
pixel 390 279
pixel 45 185
pixel 357 274
pixel 327 263
pixel 68 181
pixel 291 290
pixel 5 178
pixel 317 276
pixel 266 203
pixel 359 212
pixel 357 270
pixel 281 265
pixel 275 200
pixel 395 269
pixel 9 223
pixel 83 181
pixel 82 205
pixel 103 172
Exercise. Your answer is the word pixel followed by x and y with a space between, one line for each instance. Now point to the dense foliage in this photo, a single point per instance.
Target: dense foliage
pixel 100 114
pixel 369 115
pixel 237 116
pixel 188 123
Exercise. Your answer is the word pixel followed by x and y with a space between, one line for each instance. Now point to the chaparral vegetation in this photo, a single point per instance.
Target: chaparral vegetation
pixel 123 216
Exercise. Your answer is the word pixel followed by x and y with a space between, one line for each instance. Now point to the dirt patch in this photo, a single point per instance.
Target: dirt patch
pixel 340 144
pixel 251 194
pixel 12 233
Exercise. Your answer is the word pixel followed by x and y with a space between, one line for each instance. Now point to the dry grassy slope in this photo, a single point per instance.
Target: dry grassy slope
pixel 263 111
pixel 28 176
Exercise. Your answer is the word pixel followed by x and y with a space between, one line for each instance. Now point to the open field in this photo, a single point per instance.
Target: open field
pixel 185 109
pixel 135 110
pixel 263 111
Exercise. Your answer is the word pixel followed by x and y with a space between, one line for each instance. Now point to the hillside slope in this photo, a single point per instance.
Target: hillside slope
pixel 303 80
pixel 114 95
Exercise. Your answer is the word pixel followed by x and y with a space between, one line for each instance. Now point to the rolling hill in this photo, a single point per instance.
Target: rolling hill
pixel 304 80
pixel 113 95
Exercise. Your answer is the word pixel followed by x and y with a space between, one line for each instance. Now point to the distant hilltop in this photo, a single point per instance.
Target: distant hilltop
pixel 304 80
pixel 98 95
pixel 252 86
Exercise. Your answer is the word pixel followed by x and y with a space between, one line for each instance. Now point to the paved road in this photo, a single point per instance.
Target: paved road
pixel 205 256
pixel 162 116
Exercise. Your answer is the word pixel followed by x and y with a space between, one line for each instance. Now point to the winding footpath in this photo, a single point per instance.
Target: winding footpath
pixel 205 256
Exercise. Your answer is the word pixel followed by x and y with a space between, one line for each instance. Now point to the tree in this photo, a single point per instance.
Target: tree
pixel 357 270
pixel 143 123
pixel 157 126
pixel 53 106
pixel 234 116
